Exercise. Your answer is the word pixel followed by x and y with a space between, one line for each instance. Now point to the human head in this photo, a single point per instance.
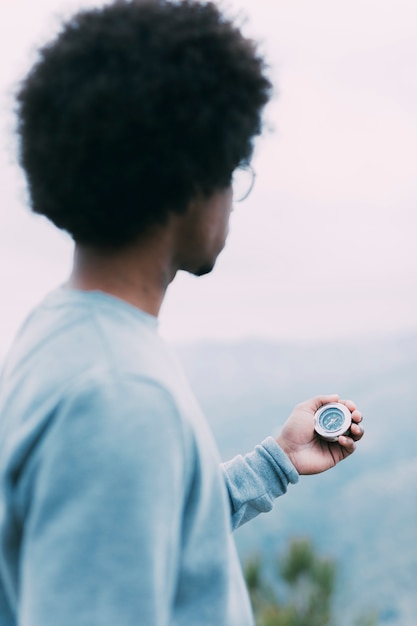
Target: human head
pixel 132 110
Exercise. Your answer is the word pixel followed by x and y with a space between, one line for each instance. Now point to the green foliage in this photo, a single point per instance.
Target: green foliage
pixel 367 620
pixel 310 582
pixel 263 597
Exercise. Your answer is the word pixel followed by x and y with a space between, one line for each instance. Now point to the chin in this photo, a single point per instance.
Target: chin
pixel 202 266
pixel 203 269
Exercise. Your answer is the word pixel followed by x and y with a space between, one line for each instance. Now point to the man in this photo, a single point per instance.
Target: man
pixel 114 507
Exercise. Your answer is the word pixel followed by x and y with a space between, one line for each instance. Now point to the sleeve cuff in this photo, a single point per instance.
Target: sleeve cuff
pixel 280 461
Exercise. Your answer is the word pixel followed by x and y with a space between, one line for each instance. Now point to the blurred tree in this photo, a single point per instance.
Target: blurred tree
pixel 310 581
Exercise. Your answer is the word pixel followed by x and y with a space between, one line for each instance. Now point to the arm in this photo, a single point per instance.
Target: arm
pixel 104 500
pixel 256 480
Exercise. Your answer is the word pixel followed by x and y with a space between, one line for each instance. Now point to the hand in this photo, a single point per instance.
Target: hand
pixel 308 452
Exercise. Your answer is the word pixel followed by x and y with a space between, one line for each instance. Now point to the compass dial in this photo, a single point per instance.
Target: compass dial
pixel 332 420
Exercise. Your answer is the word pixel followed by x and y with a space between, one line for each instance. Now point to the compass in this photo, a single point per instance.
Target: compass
pixel 332 420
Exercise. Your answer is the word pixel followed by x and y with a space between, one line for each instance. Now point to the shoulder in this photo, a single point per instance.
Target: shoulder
pixel 112 434
pixel 122 408
pixel 76 335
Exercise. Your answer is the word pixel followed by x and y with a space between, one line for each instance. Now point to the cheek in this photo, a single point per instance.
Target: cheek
pixel 220 230
pixel 223 220
pixel 212 226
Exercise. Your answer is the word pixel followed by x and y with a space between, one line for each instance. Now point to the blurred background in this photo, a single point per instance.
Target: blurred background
pixel 316 290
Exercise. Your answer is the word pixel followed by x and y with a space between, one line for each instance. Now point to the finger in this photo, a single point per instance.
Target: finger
pixel 357 417
pixel 347 443
pixel 357 432
pixel 317 402
pixel 349 404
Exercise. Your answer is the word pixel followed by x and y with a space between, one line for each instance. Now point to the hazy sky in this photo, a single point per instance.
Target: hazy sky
pixel 326 245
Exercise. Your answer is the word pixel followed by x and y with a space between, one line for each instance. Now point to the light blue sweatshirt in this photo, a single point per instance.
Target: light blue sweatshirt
pixel 114 506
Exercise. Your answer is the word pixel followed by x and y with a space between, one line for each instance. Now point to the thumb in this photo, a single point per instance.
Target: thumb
pixel 318 401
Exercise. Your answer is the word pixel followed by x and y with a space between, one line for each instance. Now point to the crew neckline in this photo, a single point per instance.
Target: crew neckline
pixel 64 294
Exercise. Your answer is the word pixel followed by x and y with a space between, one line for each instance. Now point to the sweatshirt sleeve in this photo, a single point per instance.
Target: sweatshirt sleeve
pixel 101 540
pixel 255 480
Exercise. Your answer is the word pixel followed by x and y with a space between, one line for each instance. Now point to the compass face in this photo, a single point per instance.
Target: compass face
pixel 332 419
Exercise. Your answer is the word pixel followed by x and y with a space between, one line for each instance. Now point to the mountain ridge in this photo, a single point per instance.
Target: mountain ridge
pixel 364 512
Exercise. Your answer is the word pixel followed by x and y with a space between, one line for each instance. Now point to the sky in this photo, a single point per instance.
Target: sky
pixel 325 246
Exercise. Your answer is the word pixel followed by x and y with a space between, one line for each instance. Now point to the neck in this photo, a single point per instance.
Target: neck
pixel 139 274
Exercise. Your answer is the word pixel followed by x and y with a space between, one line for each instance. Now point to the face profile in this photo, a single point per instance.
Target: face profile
pixel 204 230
